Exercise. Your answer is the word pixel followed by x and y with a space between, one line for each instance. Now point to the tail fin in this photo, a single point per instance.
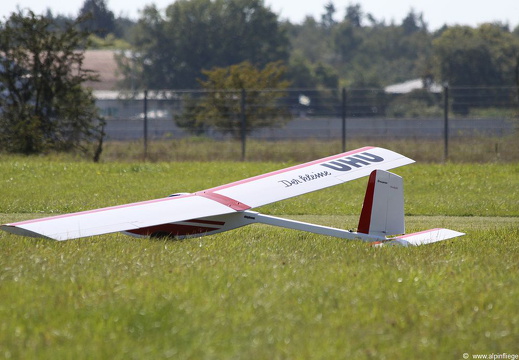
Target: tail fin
pixel 383 209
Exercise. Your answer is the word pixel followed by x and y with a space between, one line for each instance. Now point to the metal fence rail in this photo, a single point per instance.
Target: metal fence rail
pixel 324 114
pixel 326 129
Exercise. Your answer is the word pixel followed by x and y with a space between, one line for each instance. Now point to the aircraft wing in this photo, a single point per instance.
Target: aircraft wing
pixel 119 218
pixel 315 175
pixel 237 196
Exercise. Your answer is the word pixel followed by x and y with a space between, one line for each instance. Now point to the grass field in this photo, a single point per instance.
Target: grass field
pixel 259 292
pixel 468 149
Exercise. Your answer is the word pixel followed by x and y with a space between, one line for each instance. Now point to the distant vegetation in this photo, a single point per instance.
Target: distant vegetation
pixel 181 46
pixel 43 106
pixel 173 46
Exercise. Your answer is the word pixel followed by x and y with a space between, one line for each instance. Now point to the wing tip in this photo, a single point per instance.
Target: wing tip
pixel 16 230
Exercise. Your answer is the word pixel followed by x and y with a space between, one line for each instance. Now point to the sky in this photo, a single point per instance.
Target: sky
pixel 436 12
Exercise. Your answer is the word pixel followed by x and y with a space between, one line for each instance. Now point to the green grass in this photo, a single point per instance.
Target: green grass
pixel 32 185
pixel 259 292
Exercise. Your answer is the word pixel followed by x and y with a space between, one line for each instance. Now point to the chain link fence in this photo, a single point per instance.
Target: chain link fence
pixel 445 115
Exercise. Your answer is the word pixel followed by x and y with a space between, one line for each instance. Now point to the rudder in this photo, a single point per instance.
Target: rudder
pixel 383 208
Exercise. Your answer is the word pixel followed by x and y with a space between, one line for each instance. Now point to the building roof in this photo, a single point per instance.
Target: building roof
pixel 410 85
pixel 103 62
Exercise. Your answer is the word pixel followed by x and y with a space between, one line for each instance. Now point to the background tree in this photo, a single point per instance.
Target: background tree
pixel 304 74
pixel 306 41
pixel 327 20
pixel 221 106
pixel 476 56
pixel 364 55
pixel 43 105
pixel 98 19
pixel 346 39
pixel 484 57
pixel 172 46
pixel 200 34
pixel 354 15
pixel 413 22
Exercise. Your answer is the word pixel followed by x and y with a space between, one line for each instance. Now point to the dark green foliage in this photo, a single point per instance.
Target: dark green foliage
pixel 98 18
pixel 43 104
pixel 486 56
pixel 416 104
pixel 363 55
pixel 483 56
pixel 172 48
pixel 234 94
pixel 194 35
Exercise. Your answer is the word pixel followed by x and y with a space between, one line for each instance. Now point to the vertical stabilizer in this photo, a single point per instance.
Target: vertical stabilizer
pixel 383 208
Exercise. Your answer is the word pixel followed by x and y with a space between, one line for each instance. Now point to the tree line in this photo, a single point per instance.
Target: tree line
pixel 173 46
pixel 224 44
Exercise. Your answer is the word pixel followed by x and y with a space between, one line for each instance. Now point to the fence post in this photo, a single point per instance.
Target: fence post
pixel 145 124
pixel 343 119
pixel 243 124
pixel 446 122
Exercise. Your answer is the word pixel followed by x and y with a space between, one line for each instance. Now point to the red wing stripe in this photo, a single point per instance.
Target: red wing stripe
pixel 418 233
pixel 224 200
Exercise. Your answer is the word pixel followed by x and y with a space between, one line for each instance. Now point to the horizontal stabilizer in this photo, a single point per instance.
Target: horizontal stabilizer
pixel 423 237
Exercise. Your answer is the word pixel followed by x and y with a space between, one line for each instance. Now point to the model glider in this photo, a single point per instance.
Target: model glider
pixel 229 206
